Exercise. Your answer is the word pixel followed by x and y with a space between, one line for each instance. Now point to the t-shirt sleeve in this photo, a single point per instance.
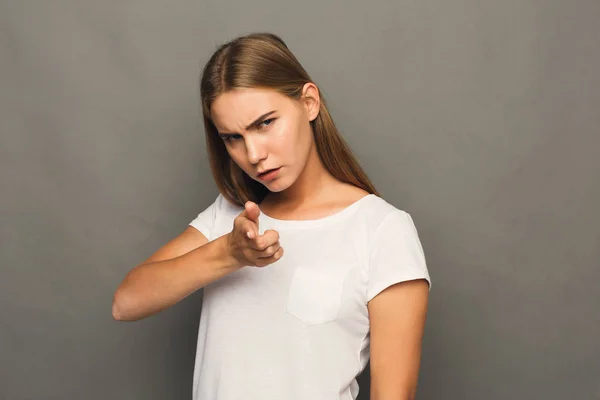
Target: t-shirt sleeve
pixel 205 221
pixel 395 254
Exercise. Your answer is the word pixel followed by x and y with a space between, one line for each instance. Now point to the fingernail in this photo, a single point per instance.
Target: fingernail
pixel 249 235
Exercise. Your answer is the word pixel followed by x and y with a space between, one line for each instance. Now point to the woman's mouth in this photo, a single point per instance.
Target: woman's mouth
pixel 269 174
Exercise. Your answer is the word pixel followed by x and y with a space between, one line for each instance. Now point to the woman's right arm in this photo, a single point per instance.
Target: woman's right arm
pixel 179 268
pixel 189 262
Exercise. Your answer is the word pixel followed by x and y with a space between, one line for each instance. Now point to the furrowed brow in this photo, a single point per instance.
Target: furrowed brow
pixel 250 126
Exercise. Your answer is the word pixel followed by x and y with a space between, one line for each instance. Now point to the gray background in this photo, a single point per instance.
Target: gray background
pixel 481 119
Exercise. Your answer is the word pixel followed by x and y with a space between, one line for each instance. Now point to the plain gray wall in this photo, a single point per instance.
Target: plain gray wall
pixel 481 119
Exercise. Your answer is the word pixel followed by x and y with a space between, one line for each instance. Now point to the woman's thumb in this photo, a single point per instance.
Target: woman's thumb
pixel 251 211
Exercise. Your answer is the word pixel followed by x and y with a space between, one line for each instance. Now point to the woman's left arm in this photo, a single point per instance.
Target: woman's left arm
pixel 397 316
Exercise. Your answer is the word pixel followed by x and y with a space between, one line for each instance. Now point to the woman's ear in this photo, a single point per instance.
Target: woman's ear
pixel 311 100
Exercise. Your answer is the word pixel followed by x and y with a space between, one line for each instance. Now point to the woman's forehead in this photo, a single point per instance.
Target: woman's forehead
pixel 237 108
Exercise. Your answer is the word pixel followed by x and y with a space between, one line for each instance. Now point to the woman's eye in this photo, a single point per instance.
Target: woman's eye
pixel 232 138
pixel 263 124
pixel 267 122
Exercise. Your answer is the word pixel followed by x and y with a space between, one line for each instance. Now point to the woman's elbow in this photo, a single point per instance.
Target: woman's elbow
pixel 122 306
pixel 117 307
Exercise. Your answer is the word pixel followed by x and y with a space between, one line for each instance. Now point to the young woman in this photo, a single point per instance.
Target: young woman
pixel 306 272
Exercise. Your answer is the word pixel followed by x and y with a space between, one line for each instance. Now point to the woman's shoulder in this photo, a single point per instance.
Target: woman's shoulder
pixel 376 211
pixel 225 206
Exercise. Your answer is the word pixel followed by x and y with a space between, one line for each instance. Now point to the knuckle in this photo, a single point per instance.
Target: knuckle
pixel 260 243
pixel 272 235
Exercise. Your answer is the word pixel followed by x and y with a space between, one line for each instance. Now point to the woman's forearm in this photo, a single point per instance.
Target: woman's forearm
pixel 155 286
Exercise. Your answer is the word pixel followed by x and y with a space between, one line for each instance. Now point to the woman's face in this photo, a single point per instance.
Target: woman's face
pixel 264 130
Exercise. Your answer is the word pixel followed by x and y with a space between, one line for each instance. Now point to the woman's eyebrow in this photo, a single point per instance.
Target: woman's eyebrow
pixel 251 125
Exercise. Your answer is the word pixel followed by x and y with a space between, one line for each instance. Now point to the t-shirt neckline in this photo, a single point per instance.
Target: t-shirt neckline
pixel 311 223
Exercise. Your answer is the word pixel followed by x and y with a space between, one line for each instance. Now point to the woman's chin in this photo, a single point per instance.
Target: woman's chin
pixel 276 185
pixel 273 186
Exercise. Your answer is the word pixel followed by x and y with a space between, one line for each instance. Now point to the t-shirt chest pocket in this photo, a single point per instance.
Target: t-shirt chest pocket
pixel 315 295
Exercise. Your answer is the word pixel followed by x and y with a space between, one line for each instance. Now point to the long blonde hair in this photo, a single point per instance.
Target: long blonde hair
pixel 263 60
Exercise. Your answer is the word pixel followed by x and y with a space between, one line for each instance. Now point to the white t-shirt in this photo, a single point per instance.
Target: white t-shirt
pixel 299 328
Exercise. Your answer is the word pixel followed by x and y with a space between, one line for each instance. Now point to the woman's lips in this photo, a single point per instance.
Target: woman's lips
pixel 269 175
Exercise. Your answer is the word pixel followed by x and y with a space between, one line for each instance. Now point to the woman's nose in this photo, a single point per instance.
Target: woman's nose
pixel 256 150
